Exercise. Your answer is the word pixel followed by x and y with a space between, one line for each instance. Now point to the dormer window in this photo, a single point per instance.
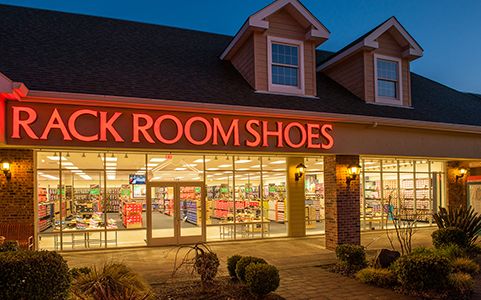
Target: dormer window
pixel 285 71
pixel 388 79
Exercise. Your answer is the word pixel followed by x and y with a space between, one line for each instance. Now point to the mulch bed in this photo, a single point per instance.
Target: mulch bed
pixel 222 288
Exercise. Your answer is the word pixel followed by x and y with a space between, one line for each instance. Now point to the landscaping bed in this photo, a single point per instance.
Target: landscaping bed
pixel 220 289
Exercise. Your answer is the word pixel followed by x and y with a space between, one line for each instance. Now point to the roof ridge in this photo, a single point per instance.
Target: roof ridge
pixel 112 18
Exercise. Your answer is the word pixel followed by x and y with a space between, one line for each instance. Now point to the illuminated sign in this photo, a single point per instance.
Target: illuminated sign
pixel 68 125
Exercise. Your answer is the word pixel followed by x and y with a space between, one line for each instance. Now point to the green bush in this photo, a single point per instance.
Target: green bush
pixel 461 285
pixel 378 277
pixel 9 246
pixel 33 275
pixel 463 218
pixel 452 235
pixel 451 251
pixel 465 265
pixel 231 265
pixel 242 264
pixel 261 279
pixel 351 257
pixel 112 281
pixel 422 272
pixel 206 265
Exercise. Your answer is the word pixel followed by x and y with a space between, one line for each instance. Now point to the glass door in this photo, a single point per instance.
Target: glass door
pixel 174 213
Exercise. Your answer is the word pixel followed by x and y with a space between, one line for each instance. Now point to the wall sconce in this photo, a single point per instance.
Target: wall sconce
pixel 5 165
pixel 300 170
pixel 352 172
pixel 462 172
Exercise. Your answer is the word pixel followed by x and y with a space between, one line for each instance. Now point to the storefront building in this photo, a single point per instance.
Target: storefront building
pixel 122 134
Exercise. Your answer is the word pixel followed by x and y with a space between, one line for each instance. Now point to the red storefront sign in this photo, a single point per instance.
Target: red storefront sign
pixel 68 125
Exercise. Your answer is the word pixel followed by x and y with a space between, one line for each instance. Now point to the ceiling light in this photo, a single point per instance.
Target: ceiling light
pixel 56 158
pixel 180 169
pixel 200 160
pixel 190 165
pixel 212 169
pixel 49 176
pixel 67 163
pixel 112 164
pixel 195 178
pixel 279 170
pixel 109 158
pixel 152 165
pixel 242 169
pixel 76 171
pixel 225 166
pixel 157 159
pixel 278 162
pixel 319 163
pixel 111 177
pixel 242 161
pixel 71 168
pixel 86 177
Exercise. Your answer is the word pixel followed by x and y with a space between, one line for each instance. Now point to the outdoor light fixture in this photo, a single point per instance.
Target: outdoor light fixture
pixel 462 172
pixel 5 164
pixel 300 170
pixel 352 173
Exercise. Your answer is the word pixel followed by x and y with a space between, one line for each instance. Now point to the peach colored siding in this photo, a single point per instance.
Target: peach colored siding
pixel 243 61
pixel 283 25
pixel 356 73
pixel 350 74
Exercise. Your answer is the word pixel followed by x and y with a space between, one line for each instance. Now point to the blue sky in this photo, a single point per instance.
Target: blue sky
pixel 449 31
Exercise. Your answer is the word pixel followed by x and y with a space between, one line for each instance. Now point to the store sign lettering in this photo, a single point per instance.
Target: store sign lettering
pixel 91 125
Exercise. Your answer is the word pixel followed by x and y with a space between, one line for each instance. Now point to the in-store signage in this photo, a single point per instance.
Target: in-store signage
pixel 69 125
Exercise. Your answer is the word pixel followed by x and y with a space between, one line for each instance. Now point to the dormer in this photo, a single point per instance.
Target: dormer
pixel 376 66
pixel 275 49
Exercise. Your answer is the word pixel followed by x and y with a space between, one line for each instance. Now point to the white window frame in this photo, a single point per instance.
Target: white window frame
pixel 389 100
pixel 279 88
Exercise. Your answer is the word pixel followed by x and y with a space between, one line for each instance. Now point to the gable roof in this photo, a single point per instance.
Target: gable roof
pixel 368 41
pixel 61 52
pixel 258 21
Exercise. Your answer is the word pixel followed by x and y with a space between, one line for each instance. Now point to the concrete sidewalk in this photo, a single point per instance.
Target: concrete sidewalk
pixel 298 260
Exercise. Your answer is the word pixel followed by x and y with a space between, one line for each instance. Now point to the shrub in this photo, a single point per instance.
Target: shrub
pixel 76 272
pixel 33 275
pixel 231 265
pixel 473 250
pixel 461 285
pixel 261 279
pixel 451 251
pixel 242 264
pixel 378 277
pixel 112 281
pixel 463 218
pixel 206 265
pixel 465 265
pixel 422 272
pixel 452 235
pixel 351 257
pixel 422 251
pixel 9 246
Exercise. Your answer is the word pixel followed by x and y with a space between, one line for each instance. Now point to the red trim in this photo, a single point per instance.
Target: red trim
pixel 474 178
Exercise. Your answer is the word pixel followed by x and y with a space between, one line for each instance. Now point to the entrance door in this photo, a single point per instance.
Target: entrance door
pixel 175 213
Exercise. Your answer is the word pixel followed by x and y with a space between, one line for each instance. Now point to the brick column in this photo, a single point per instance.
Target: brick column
pixel 456 190
pixel 342 202
pixel 296 207
pixel 17 195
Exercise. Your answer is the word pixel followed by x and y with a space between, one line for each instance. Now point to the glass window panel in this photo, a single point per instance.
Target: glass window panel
pixel 284 75
pixel 83 207
pixel 248 204
pixel 437 166
pixel 372 209
pixel 389 165
pixel 163 205
pixel 125 161
pixel 82 161
pixel 190 210
pixel 371 165
pixel 285 54
pixel 220 197
pixel 275 202
pixel 387 88
pixel 406 166
pixel 49 160
pixel 174 167
pixel 387 69
pixel 48 209
pixel 219 163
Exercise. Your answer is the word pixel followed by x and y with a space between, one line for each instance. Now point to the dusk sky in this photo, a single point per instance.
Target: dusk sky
pixel 449 31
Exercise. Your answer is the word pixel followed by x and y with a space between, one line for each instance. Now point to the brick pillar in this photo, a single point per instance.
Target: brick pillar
pixel 296 211
pixel 17 195
pixel 456 190
pixel 342 202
